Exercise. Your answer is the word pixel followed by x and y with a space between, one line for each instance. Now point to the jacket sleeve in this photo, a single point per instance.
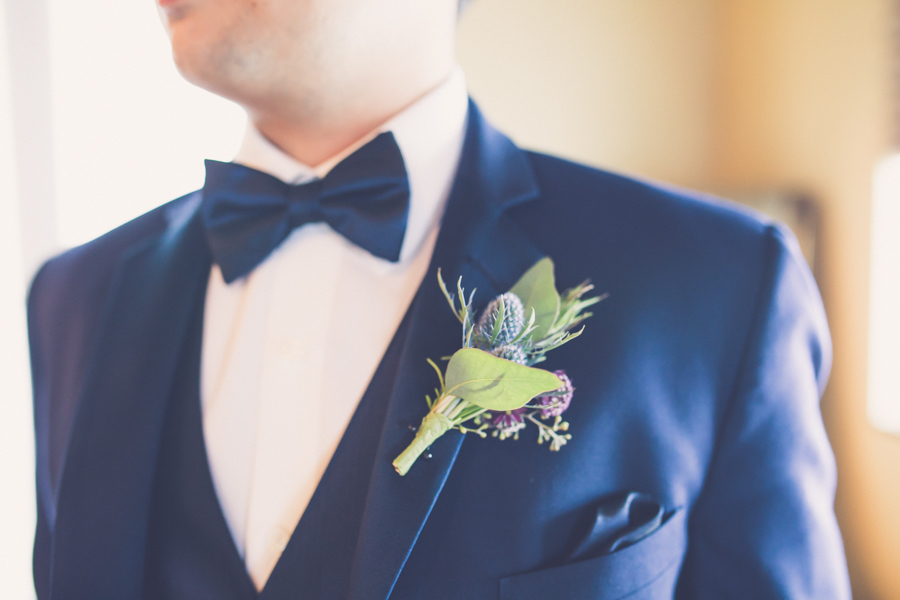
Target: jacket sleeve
pixel 764 524
pixel 63 316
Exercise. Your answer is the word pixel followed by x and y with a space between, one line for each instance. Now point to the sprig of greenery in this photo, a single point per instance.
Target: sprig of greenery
pixel 464 313
pixel 571 314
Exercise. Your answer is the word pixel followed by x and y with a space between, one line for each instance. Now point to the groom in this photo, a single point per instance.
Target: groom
pixel 221 384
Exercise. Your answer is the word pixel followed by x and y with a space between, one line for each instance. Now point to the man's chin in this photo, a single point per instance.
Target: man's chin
pixel 200 66
pixel 174 11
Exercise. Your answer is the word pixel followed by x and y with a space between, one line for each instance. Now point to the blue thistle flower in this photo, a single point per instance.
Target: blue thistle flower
pixel 491 334
pixel 511 352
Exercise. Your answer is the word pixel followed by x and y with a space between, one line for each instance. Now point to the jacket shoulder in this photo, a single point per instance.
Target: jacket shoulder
pixel 83 269
pixel 659 230
pixel 68 291
pixel 572 187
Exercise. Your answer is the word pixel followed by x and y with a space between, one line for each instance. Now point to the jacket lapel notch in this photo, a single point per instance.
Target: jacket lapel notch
pixel 480 243
pixel 106 486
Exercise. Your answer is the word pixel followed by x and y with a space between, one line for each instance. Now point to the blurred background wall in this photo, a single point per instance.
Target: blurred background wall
pixel 721 95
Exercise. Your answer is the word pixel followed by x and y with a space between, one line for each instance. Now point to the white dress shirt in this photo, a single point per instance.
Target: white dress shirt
pixel 289 350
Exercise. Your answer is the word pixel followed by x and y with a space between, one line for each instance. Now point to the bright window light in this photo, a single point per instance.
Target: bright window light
pixel 129 133
pixel 884 299
pixel 17 503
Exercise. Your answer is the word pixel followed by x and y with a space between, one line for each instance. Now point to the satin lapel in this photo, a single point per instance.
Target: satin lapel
pixel 105 491
pixel 479 243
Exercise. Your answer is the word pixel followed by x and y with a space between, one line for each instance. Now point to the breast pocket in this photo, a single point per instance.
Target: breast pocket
pixel 646 570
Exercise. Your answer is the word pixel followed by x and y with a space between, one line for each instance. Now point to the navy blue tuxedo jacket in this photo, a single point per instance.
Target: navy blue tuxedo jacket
pixel 697 383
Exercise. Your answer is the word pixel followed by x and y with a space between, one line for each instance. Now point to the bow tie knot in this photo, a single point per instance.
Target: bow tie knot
pixel 248 213
pixel 303 203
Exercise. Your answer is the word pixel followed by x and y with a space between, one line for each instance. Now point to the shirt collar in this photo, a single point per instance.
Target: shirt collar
pixel 429 134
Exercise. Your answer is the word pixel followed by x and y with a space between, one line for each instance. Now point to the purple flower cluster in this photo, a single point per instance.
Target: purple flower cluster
pixel 510 421
pixel 557 403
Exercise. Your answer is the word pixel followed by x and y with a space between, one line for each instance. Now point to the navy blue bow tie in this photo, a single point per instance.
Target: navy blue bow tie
pixel 247 213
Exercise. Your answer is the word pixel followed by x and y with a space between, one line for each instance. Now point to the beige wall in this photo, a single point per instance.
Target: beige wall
pixel 723 94
pixel 621 83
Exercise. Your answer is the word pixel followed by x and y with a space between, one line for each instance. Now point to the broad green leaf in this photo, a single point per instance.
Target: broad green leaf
pixel 537 290
pixel 495 383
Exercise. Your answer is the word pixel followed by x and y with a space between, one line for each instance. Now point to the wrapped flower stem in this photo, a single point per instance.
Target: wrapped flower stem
pixel 447 413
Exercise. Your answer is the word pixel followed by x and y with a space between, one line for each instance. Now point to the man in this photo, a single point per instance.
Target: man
pixel 222 384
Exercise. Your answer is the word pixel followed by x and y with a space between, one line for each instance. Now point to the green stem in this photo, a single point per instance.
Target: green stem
pixel 454 413
pixel 434 425
pixel 443 402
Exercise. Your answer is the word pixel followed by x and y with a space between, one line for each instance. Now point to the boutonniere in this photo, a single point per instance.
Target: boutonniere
pixel 490 385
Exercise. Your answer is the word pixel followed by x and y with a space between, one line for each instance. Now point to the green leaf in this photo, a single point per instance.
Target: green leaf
pixel 494 383
pixel 537 290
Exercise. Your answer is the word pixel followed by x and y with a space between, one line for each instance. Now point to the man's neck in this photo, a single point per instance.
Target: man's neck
pixel 312 141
